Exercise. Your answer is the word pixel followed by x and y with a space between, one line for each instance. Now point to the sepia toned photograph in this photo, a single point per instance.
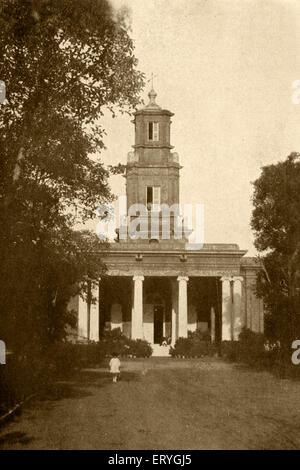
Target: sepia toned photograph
pixel 150 227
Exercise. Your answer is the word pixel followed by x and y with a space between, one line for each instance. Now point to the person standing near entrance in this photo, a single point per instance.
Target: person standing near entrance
pixel 114 365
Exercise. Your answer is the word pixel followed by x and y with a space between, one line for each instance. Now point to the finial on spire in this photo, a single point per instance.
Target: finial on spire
pixel 152 95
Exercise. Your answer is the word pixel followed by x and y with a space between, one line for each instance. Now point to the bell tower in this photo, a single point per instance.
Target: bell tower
pixel 152 170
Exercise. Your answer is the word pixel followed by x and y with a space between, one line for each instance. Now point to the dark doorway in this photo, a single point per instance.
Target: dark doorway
pixel 205 293
pixel 158 323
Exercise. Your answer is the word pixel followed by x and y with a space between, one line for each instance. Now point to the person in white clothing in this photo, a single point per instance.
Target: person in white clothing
pixel 114 365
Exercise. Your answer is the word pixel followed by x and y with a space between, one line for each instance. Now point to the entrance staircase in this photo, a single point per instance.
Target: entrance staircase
pixel 160 351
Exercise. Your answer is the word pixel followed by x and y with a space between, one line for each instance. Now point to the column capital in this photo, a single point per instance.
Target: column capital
pixel 237 278
pixel 182 278
pixel 138 277
pixel 226 278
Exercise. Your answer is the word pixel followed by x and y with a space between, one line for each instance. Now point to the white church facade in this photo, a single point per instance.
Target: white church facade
pixel 158 288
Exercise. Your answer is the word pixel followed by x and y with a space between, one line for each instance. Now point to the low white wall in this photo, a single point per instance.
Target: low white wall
pixel 192 318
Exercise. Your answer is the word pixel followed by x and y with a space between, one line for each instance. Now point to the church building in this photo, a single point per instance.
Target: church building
pixel 157 287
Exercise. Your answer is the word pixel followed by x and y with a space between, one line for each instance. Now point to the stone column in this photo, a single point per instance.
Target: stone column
pixel 94 312
pixel 137 310
pixel 238 320
pixel 83 317
pixel 182 306
pixel 261 315
pixel 248 303
pixel 174 324
pixel 227 333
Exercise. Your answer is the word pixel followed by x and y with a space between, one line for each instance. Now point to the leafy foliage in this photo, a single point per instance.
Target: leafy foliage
pixel 63 62
pixel 114 341
pixel 255 351
pixel 249 349
pixel 276 222
pixel 197 344
pixel 117 169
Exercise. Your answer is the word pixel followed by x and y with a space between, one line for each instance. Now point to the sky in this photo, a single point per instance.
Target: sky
pixel 225 68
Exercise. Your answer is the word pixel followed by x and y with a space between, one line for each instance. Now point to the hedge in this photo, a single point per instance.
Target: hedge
pixel 254 350
pixel 114 341
pixel 197 344
pixel 25 375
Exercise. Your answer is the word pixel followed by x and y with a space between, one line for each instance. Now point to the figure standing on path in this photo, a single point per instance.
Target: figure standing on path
pixel 114 365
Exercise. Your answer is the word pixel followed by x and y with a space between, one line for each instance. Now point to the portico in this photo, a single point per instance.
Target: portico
pixel 154 305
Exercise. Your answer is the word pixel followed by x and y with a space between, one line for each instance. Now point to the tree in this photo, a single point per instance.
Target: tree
pixel 63 63
pixel 276 222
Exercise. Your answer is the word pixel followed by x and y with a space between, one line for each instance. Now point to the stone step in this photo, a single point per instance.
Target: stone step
pixel 160 351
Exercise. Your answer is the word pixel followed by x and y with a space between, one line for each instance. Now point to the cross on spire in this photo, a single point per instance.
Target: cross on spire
pixel 151 80
pixel 152 77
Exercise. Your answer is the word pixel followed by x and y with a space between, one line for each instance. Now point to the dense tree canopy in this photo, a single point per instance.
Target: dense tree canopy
pixel 276 222
pixel 63 63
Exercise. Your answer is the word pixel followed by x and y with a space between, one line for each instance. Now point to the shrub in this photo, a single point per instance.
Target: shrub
pixel 24 375
pixel 199 335
pixel 249 349
pixel 197 344
pixel 203 348
pixel 63 358
pixel 33 372
pixel 253 349
pixel 139 348
pixel 113 341
pixel 230 350
pixel 20 377
pixel 181 348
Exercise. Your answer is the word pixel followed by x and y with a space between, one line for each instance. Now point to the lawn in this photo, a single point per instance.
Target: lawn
pixel 162 403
